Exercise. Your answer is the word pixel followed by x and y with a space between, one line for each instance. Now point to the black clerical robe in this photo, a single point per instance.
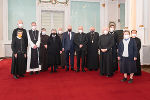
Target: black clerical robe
pixel 33 54
pixel 92 59
pixel 43 52
pixel 106 42
pixel 18 63
pixel 138 62
pixel 24 35
pixel 54 47
pixel 114 51
pixel 63 61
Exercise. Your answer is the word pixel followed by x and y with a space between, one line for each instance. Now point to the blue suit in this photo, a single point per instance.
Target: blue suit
pixel 68 46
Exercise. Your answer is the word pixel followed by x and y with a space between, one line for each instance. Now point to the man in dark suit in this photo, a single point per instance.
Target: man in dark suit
pixel 68 47
pixel 80 41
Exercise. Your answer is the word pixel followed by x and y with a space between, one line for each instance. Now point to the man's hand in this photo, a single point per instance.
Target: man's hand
pixel 135 58
pixel 63 49
pixel 35 47
pixel 103 50
pixel 118 58
pixel 60 52
pixel 25 55
pixel 80 46
pixel 15 55
pixel 45 46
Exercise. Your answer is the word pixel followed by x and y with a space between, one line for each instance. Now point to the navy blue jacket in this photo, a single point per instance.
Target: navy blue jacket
pixel 68 44
pixel 132 49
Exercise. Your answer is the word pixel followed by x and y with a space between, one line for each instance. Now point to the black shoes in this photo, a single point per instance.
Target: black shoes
pixel 78 70
pixel 83 70
pixel 124 79
pixel 31 73
pixel 67 69
pixel 21 75
pixel 63 67
pixel 55 70
pixel 130 81
pixel 15 76
pixel 37 72
pixel 72 69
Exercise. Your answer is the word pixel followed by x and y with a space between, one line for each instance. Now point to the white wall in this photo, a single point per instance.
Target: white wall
pixel 1 26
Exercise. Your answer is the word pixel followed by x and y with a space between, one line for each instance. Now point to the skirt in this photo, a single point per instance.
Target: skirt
pixel 127 65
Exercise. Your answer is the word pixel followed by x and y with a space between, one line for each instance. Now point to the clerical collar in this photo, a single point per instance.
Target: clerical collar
pixel 92 32
pixel 33 30
pixel 53 35
pixel 112 32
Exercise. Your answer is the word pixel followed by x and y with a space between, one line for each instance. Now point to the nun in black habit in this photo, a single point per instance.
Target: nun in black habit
pixel 54 48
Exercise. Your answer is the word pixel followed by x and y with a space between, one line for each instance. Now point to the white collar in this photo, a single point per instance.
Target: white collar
pixel 19 37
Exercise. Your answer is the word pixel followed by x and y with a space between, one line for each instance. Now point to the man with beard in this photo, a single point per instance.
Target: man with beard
pixel 92 59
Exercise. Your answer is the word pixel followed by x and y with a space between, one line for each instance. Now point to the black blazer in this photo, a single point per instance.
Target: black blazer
pixel 83 41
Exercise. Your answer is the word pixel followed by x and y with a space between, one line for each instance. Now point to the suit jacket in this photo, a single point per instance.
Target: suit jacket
pixel 132 49
pixel 78 39
pixel 68 44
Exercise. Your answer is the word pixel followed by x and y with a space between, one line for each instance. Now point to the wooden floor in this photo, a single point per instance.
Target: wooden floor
pixel 146 68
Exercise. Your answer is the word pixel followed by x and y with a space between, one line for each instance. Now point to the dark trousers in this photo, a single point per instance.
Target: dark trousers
pixel 53 67
pixel 71 52
pixel 80 54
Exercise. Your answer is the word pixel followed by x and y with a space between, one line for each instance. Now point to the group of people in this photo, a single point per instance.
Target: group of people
pixel 34 51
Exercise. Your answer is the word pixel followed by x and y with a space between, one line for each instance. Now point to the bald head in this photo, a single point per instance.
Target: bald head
pixel 92 29
pixel 59 30
pixel 20 24
pixel 105 30
pixel 69 28
pixel 80 29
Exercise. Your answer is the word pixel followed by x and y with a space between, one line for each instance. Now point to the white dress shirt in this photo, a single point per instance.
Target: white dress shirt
pixel 70 34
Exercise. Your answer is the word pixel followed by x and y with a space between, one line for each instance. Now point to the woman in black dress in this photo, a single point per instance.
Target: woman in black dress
pixel 54 48
pixel 43 50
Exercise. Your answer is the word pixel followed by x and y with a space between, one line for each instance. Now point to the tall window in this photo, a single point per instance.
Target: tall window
pixel 52 19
